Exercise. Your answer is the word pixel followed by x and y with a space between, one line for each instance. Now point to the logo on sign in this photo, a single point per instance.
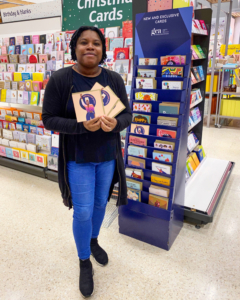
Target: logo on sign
pixel 156 32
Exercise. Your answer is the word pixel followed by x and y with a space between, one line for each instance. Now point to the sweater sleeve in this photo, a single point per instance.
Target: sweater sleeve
pixel 53 112
pixel 124 119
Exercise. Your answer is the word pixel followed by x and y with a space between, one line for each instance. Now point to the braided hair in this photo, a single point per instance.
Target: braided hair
pixel 77 34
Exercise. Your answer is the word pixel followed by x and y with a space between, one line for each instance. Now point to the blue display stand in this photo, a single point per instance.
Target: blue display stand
pixel 158 34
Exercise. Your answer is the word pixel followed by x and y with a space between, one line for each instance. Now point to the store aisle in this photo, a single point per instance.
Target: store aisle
pixel 38 259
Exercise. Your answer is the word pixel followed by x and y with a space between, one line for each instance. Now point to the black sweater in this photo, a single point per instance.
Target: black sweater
pixel 57 95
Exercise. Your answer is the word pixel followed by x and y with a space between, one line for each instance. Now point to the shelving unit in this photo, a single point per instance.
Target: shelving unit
pixel 204 14
pixel 140 220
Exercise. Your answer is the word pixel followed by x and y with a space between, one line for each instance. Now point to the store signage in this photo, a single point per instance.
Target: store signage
pixel 100 13
pixel 30 12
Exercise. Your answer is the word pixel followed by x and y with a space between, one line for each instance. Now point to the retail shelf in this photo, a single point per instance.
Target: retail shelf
pixel 22 166
pixel 195 103
pixel 208 93
pixel 228 117
pixel 52 175
pixel 191 127
pixel 198 82
pixel 21 106
pixel 212 175
pixel 195 146
pixel 230 93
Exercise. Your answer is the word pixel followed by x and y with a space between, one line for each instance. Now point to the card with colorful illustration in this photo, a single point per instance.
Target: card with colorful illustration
pixel 172 85
pixel 136 162
pixel 134 195
pixel 135 173
pixel 134 184
pixel 88 105
pixel 147 73
pixel 137 151
pixel 148 61
pixel 166 133
pixel 146 83
pixel 142 107
pixel 161 168
pixel 158 201
pixel 140 129
pixel 109 99
pixel 137 140
pixel 162 156
pixel 159 191
pixel 146 96
pixel 141 118
pixel 172 72
pixel 170 60
pixel 160 179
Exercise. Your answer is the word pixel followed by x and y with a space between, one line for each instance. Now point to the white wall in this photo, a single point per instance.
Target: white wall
pixel 39 26
pixel 236 36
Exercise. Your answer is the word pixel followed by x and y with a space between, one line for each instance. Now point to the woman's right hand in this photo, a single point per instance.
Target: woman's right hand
pixel 93 125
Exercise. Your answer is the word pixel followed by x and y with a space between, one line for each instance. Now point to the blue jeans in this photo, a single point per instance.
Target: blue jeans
pixel 89 184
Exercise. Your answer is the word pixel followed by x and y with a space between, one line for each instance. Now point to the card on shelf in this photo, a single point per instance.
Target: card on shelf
pixel 121 53
pixel 122 66
pixel 159 191
pixel 146 83
pixel 148 61
pixel 167 121
pixel 134 195
pixel 172 72
pixel 171 108
pixel 158 201
pixel 134 184
pixel 116 43
pixel 161 168
pixel 166 133
pixel 136 162
pixel 143 107
pixel 88 105
pixel 147 73
pixel 160 179
pixel 140 118
pixel 137 140
pixel 137 151
pixel 172 85
pixel 162 156
pixel 135 173
pixel 140 129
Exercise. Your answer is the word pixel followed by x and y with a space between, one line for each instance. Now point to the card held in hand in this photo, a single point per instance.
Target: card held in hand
pixel 88 105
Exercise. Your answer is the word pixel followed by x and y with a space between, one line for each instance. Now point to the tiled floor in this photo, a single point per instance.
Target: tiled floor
pixel 38 259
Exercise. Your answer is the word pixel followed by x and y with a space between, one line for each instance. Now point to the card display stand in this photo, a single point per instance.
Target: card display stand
pixel 140 220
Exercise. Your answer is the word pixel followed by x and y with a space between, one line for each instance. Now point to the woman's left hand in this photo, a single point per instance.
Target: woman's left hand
pixel 108 124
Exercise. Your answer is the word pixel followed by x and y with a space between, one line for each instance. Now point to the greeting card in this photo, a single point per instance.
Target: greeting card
pixel 146 83
pixel 161 168
pixel 140 129
pixel 137 151
pixel 17 49
pixel 140 118
pixel 158 201
pixel 147 73
pixel 116 43
pixel 162 156
pixel 43 58
pixel 23 59
pixel 39 48
pixel 11 49
pixel 166 133
pixel 48 48
pixel 122 66
pixel 88 105
pixel 24 50
pixel 146 96
pixel 121 53
pixel 30 49
pixel 148 61
pixel 172 72
pixel 35 39
pixel 142 107
pixel 134 195
pixel 27 39
pixel 19 40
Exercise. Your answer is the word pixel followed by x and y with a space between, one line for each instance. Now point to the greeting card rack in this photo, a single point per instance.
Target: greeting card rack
pixel 140 220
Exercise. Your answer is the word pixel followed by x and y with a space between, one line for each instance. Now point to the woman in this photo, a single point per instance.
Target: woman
pixel 90 158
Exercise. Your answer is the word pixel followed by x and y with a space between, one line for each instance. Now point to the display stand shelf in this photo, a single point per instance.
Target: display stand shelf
pixel 201 203
pixel 22 106
pixel 195 124
pixel 140 220
pixel 195 103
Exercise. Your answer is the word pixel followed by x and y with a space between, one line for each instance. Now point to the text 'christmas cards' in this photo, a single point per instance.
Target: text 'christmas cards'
pixel 88 105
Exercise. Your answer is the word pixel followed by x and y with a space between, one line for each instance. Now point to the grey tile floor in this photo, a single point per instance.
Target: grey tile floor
pixel 38 259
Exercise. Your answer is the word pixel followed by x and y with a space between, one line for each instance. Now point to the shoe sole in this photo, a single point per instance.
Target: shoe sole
pixel 84 297
pixel 98 262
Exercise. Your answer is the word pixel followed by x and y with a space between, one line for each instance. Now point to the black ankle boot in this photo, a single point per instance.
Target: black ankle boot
pixel 98 253
pixel 86 284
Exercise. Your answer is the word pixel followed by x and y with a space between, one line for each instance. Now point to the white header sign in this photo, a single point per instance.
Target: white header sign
pixel 33 11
